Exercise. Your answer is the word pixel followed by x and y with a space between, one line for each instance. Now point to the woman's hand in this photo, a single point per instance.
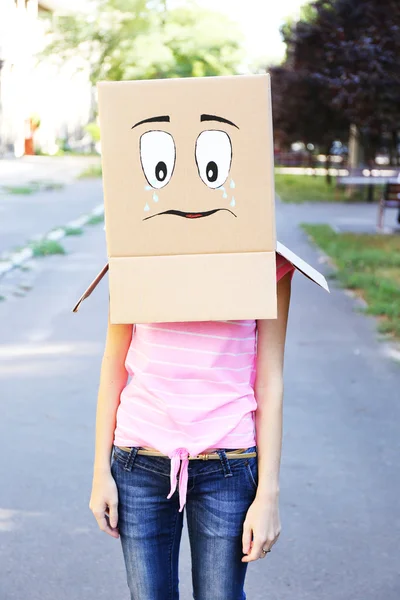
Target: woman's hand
pixel 104 502
pixel 261 527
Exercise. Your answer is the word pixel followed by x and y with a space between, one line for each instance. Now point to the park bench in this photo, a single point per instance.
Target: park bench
pixel 390 199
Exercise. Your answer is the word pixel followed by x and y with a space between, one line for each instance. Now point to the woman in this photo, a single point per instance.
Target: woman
pixel 198 391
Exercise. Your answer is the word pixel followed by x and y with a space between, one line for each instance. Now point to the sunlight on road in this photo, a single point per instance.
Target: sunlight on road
pixel 30 351
pixel 11 519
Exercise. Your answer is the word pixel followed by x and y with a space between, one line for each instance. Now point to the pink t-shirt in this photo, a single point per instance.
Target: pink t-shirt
pixel 191 388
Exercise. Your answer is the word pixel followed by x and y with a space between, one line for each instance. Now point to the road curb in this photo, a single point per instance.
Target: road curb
pixel 8 262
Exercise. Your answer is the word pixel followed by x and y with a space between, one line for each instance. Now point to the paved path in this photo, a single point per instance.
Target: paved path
pixel 23 217
pixel 339 479
pixel 357 217
pixel 64 169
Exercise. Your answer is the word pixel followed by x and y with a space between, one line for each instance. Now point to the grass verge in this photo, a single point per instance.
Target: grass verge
pixel 91 171
pixel 73 230
pixel 369 265
pixel 297 189
pixel 22 190
pixel 32 187
pixel 46 248
pixel 95 220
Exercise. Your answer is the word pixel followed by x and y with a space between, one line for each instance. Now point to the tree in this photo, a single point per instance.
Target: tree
pixel 302 110
pixel 351 50
pixel 138 39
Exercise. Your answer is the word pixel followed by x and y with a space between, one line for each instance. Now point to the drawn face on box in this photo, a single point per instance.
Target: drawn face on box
pixel 213 157
pixel 187 166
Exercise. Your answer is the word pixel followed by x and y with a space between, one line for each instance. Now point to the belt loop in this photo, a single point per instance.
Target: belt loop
pixel 131 458
pixel 225 462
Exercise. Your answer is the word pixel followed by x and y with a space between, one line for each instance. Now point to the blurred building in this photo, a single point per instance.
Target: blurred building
pixel 36 91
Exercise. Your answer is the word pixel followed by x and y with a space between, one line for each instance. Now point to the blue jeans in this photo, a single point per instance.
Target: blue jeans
pixel 150 525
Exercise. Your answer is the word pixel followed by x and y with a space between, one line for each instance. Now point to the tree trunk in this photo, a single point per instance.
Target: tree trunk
pixel 356 155
pixel 328 164
pixel 395 142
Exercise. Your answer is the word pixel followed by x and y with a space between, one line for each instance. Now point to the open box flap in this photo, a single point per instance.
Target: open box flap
pixel 302 266
pixel 91 287
pixel 295 260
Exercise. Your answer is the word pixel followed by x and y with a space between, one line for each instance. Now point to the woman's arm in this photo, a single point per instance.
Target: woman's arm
pixel 113 377
pixel 262 521
pixel 269 392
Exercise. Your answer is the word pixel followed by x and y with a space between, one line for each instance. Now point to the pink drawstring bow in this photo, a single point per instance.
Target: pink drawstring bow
pixel 178 455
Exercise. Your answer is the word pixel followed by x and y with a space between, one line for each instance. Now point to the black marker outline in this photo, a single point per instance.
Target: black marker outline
pixel 141 161
pixel 216 118
pixel 197 163
pixel 180 213
pixel 162 119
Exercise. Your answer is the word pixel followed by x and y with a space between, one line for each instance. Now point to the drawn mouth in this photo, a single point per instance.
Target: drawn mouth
pixel 189 215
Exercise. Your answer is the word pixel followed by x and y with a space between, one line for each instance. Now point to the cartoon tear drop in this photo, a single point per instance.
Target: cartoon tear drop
pixel 232 184
pixel 148 188
pixel 155 197
pixel 147 207
pixel 224 195
pixel 233 202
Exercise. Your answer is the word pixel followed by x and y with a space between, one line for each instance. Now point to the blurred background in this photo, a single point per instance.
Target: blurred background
pixel 335 75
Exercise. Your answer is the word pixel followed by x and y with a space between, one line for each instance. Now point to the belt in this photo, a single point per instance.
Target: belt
pixel 238 453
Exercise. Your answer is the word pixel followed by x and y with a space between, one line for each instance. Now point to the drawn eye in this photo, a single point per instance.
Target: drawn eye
pixel 213 157
pixel 157 155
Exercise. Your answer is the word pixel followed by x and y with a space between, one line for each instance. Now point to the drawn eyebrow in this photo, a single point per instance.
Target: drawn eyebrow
pixel 215 118
pixel 162 119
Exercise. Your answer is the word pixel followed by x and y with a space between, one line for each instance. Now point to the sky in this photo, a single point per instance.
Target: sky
pixel 260 21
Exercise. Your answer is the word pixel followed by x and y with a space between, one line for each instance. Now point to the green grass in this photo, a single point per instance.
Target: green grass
pixel 368 264
pixel 307 188
pixel 91 171
pixel 73 230
pixel 47 185
pixel 19 189
pixel 46 248
pixel 95 220
pixel 31 187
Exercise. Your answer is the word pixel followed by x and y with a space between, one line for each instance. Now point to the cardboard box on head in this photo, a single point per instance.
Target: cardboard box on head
pixel 189 200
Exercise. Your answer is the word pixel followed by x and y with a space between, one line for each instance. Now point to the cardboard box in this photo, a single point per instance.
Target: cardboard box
pixel 189 200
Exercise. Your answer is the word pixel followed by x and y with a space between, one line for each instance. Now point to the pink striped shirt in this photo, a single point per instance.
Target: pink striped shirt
pixel 191 388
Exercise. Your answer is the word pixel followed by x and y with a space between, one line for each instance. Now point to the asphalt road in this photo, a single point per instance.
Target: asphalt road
pixel 339 477
pixel 23 217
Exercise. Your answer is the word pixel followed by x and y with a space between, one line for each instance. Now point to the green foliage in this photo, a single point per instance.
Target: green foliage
pixel 93 130
pixel 135 39
pixel 368 264
pixel 46 247
pixel 35 120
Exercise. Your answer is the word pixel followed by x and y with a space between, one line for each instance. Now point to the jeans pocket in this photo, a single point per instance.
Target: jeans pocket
pixel 119 454
pixel 252 471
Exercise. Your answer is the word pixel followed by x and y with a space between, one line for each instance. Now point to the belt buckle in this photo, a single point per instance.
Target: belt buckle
pixel 201 456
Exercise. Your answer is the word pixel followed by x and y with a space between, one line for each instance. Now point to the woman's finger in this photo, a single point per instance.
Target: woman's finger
pixel 113 514
pixel 246 538
pixel 104 525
